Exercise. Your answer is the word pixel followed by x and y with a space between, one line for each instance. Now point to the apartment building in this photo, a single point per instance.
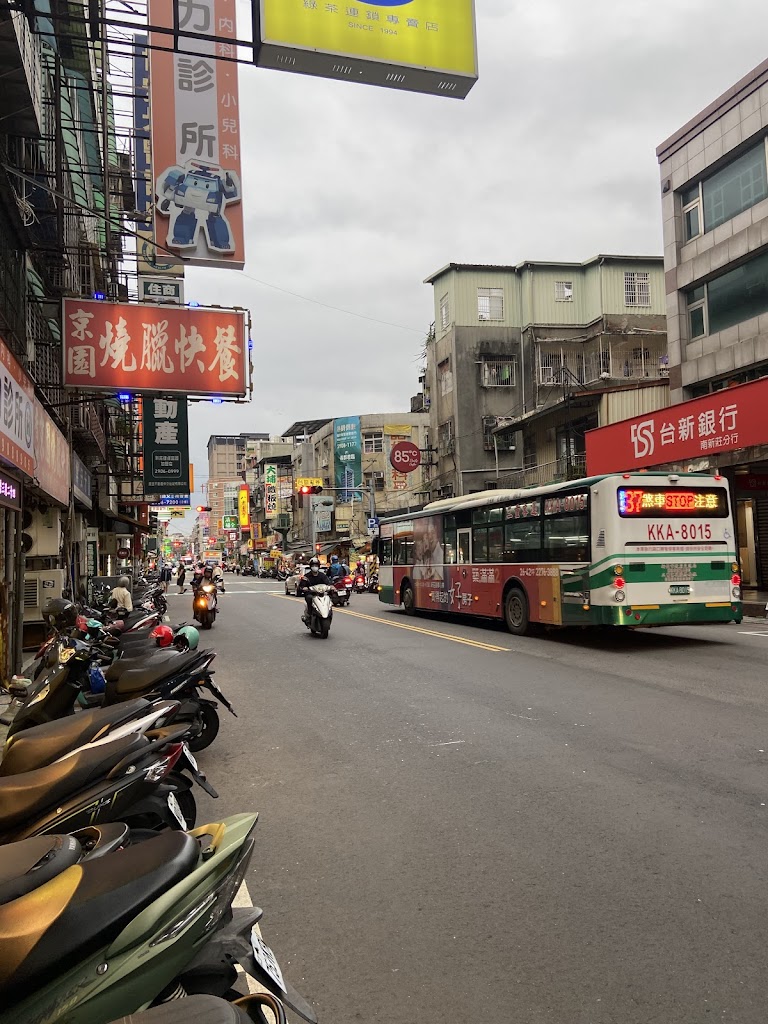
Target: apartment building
pixel 524 359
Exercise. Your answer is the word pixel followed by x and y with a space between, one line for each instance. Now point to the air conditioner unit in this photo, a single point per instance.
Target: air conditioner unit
pixel 40 587
pixel 45 533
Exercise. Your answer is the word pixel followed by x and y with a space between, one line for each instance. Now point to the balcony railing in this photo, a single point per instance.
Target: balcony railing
pixel 640 358
pixel 547 473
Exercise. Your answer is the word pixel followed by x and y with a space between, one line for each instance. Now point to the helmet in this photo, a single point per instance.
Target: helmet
pixel 334 559
pixel 314 566
pixel 61 613
pixel 162 635
pixel 124 581
pixel 187 638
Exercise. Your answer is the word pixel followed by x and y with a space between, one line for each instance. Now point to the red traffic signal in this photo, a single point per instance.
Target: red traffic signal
pixel 203 508
pixel 306 489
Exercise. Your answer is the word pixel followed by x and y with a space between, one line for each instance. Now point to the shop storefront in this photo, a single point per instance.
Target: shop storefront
pixel 725 432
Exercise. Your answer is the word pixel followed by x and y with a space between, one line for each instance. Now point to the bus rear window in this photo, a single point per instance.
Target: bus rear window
pixel 674 502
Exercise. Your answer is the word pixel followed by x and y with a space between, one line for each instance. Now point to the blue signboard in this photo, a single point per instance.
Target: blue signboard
pixel 174 500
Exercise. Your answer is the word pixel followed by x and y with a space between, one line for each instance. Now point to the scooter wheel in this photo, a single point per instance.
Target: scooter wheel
pixel 207 722
pixel 188 806
pixel 324 627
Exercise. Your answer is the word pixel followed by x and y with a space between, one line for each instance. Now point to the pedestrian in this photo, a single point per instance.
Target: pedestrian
pixel 165 576
pixel 180 577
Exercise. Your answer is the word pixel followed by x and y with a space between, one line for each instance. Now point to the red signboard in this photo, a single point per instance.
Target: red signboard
pixel 728 420
pixel 405 457
pixel 121 346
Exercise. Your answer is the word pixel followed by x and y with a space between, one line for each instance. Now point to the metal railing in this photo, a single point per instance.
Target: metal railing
pixel 547 473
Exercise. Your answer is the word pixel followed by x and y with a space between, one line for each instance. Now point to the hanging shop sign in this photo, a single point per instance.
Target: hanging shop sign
pixel 17 414
pixel 195 126
pixel 137 347
pixel 405 457
pixel 166 446
pixel 270 490
pixel 230 522
pixel 244 506
pixel 725 421
pixel 165 290
pixel 173 501
pixel 417 45
pixel 52 454
pixel 82 482
pixel 10 492
pixel 347 445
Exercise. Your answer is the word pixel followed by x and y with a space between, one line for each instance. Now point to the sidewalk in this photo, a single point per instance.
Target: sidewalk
pixel 754 601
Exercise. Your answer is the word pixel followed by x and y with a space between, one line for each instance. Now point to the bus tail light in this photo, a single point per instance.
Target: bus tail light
pixel 619 583
pixel 735 580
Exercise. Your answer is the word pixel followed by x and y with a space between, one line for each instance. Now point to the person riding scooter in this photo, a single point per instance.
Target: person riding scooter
pixel 120 598
pixel 314 577
pixel 336 568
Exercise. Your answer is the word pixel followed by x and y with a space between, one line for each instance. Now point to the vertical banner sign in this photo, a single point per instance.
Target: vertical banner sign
pixel 150 261
pixel 244 507
pixel 347 447
pixel 166 446
pixel 270 491
pixel 196 133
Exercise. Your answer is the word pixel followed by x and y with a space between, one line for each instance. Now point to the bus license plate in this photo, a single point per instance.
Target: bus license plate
pixel 680 590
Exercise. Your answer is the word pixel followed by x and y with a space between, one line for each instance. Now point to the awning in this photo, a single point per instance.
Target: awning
pixel 119 518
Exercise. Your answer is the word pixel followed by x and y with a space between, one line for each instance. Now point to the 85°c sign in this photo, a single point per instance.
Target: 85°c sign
pixel 405 457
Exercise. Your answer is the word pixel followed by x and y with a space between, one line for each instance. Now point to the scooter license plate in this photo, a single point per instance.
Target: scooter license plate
pixel 191 758
pixel 175 809
pixel 266 959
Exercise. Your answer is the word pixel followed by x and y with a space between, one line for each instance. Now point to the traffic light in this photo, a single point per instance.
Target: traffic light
pixel 203 508
pixel 310 490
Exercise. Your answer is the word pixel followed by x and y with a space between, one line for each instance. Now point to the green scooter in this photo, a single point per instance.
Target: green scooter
pixel 86 939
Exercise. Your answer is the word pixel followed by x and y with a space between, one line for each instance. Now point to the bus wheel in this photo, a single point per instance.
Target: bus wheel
pixel 516 612
pixel 409 604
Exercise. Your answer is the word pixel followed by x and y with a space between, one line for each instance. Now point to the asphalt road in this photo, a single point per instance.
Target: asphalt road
pixel 461 825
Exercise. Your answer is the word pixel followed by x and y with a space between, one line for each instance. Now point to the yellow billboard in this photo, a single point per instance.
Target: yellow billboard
pixel 416 45
pixel 243 506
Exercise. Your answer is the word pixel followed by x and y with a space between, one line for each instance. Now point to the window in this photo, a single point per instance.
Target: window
pixel 373 442
pixel 735 188
pixel 497 373
pixel 445 316
pixel 385 551
pixel 490 303
pixel 729 299
pixel 522 540
pixel 692 212
pixel 637 288
pixel 480 544
pixel 445 377
pixel 374 479
pixel 445 442
pixel 566 538
pixel 550 367
pixel 403 544
pixel 697 322
pixel 563 291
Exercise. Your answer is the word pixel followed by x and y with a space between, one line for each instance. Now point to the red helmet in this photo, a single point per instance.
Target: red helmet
pixel 163 635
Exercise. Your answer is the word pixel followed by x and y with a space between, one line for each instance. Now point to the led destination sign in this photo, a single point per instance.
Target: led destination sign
pixel 672 501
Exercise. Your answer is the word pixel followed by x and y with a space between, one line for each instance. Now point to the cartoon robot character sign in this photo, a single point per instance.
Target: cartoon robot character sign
pixel 195 196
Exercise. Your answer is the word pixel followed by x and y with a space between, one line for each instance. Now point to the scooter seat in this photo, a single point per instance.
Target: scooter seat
pixel 139 680
pixel 27 865
pixel 23 796
pixel 34 748
pixel 133 662
pixel 84 909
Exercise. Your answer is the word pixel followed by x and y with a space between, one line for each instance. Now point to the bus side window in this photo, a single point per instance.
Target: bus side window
pixel 385 551
pixel 480 544
pixel 566 538
pixel 495 543
pixel 522 540
pixel 450 547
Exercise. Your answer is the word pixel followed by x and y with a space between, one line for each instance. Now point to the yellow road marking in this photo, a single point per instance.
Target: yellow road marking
pixel 413 629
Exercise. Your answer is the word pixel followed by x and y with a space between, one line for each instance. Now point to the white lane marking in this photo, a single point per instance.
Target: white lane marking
pixel 750 632
pixel 243 899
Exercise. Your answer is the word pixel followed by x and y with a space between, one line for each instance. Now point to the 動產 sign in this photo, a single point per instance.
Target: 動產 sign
pixel 195 120
pixel 417 45
pixel 728 420
pixel 166 446
pixel 137 347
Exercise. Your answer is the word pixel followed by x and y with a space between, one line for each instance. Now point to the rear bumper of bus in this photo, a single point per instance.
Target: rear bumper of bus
pixel 669 615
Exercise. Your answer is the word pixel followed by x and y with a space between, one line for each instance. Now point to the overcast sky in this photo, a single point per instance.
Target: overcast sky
pixel 353 194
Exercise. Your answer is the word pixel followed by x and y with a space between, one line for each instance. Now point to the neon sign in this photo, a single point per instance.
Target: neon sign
pixel 666 501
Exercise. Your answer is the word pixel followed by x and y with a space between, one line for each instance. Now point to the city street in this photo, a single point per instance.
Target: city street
pixel 457 824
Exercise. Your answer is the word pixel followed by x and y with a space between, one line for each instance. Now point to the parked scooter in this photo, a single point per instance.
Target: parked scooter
pixel 318 619
pixel 91 938
pixel 373 583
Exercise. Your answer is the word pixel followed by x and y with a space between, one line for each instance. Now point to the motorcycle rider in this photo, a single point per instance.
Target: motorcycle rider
pixel 336 568
pixel 314 577
pixel 120 597
pixel 197 576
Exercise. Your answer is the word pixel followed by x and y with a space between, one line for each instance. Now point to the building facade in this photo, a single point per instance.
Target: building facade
pixel 714 196
pixel 523 360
